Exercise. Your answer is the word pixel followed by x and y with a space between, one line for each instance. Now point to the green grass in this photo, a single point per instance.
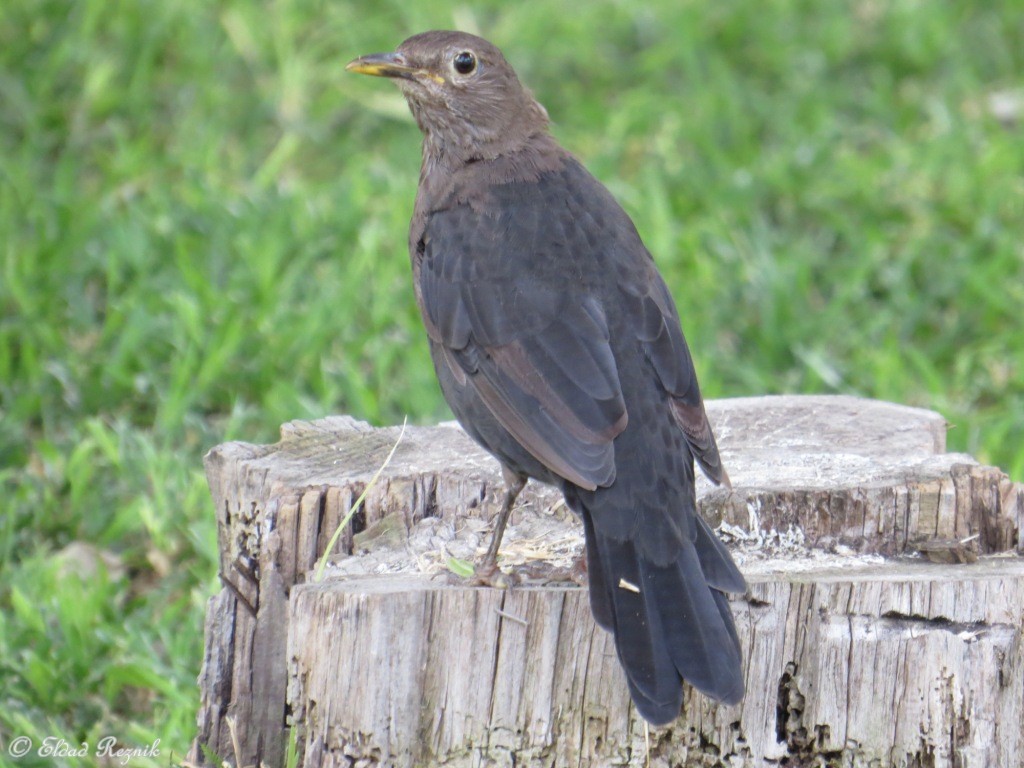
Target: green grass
pixel 202 234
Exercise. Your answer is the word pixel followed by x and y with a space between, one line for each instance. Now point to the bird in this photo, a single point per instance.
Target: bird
pixel 559 349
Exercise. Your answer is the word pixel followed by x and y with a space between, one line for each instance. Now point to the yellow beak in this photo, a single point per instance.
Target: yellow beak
pixel 389 65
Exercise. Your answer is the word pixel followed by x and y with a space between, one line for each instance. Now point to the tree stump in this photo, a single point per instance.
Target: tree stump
pixel 882 627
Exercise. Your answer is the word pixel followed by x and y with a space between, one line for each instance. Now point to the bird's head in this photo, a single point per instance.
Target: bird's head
pixel 465 97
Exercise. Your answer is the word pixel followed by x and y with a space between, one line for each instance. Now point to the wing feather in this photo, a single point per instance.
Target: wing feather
pixel 536 350
pixel 659 330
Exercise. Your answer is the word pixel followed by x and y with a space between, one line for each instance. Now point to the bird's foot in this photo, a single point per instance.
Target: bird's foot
pixel 493 577
pixel 487 574
pixel 547 573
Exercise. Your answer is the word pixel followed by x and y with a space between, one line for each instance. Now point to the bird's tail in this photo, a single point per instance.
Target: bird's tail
pixel 671 619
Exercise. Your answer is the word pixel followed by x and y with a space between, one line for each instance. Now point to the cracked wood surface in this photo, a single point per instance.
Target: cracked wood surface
pixel 912 666
pixel 851 657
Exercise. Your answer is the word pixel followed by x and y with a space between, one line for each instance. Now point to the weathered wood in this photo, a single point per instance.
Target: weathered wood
pixel 819 483
pixel 914 663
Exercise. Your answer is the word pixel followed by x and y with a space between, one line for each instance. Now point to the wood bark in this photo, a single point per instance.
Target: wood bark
pixel 911 659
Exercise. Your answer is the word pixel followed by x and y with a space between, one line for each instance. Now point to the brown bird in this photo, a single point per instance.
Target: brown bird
pixel 558 347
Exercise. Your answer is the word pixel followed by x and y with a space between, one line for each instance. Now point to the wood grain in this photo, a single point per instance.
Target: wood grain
pixel 854 657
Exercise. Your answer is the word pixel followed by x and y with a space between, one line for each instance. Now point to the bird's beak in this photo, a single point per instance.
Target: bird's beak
pixel 389 65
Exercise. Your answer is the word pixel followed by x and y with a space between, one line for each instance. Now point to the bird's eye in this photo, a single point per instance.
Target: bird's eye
pixel 464 62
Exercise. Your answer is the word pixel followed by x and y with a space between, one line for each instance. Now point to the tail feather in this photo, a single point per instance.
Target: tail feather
pixel 700 636
pixel 600 596
pixel 716 563
pixel 653 679
pixel 734 694
pixel 671 622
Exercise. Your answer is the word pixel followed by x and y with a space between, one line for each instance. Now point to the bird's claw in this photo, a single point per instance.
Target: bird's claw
pixel 546 573
pixel 487 575
pixel 496 579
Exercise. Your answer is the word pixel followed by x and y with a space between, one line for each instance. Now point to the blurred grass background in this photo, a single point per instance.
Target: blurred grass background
pixel 203 234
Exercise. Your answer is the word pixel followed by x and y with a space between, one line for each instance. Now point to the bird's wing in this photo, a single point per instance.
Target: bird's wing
pixel 659 330
pixel 535 350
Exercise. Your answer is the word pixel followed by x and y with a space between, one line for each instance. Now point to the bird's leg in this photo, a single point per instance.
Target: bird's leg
pixel 488 567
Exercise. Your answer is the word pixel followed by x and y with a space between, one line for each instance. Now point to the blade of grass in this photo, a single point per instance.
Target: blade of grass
pixel 356 504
